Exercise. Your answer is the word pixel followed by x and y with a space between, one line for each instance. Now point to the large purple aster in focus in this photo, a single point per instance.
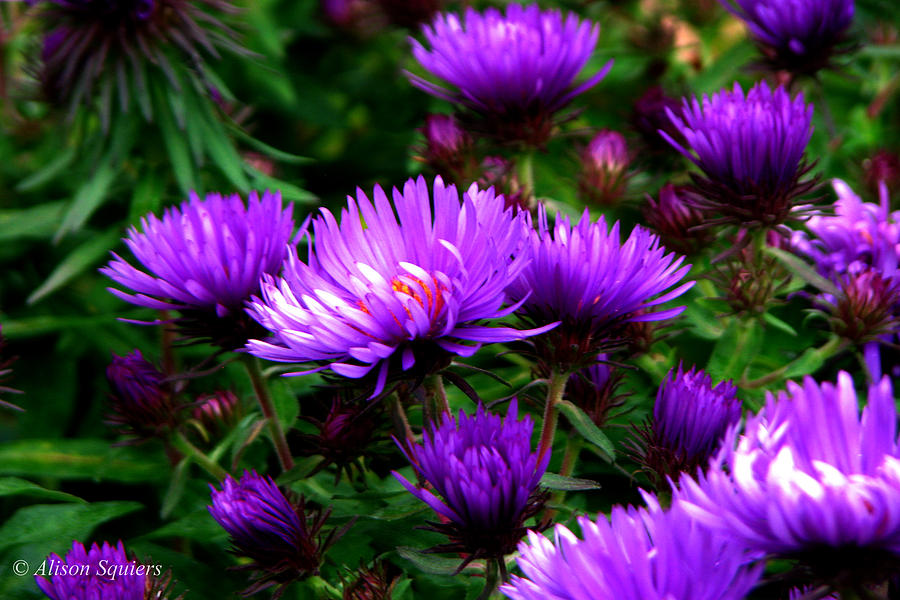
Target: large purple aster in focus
pixel 513 71
pixel 638 554
pixel 591 281
pixel 383 291
pixel 100 573
pixel 811 479
pixel 750 150
pixel 283 538
pixel 799 36
pixel 486 476
pixel 204 259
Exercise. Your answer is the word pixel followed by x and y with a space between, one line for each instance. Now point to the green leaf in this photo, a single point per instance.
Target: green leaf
pixel 80 459
pixel 221 148
pixel 271 152
pixel 803 270
pixel 147 196
pixel 75 263
pixel 86 200
pixel 176 145
pixel 285 400
pixel 45 522
pixel 36 222
pixel 429 563
pixel 13 486
pixel 807 363
pixel 198 526
pixel 563 483
pixel 49 171
pixel 588 430
pixel 779 324
pixel 289 191
pixel 735 350
pixel 175 490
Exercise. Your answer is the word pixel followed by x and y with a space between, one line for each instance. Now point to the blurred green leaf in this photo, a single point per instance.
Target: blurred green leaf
pixel 80 459
pixel 13 486
pixel 86 200
pixel 77 262
pixel 44 522
pixel 35 222
pixel 49 171
pixel 429 563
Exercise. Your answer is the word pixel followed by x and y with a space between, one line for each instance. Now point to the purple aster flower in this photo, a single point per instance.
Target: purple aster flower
pixel 141 399
pixel 799 36
pixel 205 258
pixel 604 163
pixel 676 221
pixel 811 480
pixel 486 474
pixel 859 236
pixel 411 288
pixel 587 278
pixel 858 249
pixel 281 536
pixel 101 573
pixel 690 418
pixel 511 71
pixel 750 150
pixel 103 48
pixel 638 554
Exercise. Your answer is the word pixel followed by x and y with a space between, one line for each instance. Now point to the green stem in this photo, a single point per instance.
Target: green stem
pixel 491 578
pixel 436 394
pixel 555 391
pixel 526 174
pixel 826 351
pixel 401 423
pixel 254 371
pixel 183 445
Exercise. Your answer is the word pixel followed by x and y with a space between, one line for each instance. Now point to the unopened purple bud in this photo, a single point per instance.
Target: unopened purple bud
pixel 676 221
pixel 604 162
pixel 141 399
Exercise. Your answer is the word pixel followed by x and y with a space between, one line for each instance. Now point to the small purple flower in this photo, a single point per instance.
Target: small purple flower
pixel 412 288
pixel 513 71
pixel 585 277
pixel 812 480
pixel 205 258
pixel 800 36
pixel 281 536
pixel 104 48
pixel 487 476
pixel 101 573
pixel 343 435
pixel 750 150
pixel 638 554
pixel 690 419
pixel 141 398
pixel 604 163
pixel 676 220
pixel 217 412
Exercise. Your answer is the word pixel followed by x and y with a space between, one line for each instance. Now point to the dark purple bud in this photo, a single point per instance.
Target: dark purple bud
pixel 142 401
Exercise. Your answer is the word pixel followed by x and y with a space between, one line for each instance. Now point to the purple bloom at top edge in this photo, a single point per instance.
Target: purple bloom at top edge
pixel 486 476
pixel 797 35
pixel 516 67
pixel 810 478
pixel 638 554
pixel 414 286
pixel 82 575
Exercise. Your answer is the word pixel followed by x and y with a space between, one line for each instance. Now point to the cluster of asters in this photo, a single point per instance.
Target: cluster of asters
pixel 400 284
